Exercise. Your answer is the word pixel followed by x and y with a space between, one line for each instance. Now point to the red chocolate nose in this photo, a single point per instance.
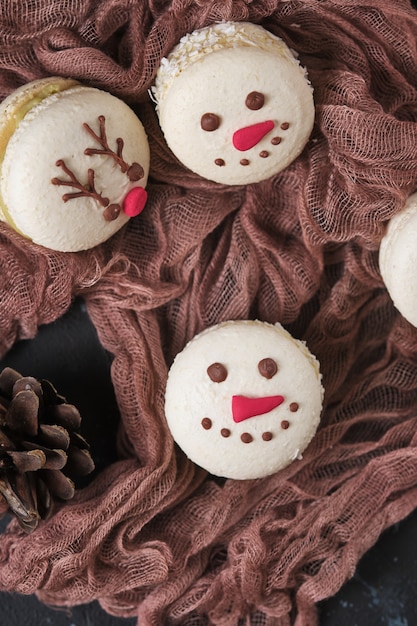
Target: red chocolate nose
pixel 135 201
pixel 247 137
pixel 244 407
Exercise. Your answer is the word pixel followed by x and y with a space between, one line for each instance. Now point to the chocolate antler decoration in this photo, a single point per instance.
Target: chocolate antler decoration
pixel 84 190
pixel 134 171
pixel 88 191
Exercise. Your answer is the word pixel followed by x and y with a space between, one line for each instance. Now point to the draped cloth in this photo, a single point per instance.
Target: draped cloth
pixel 153 535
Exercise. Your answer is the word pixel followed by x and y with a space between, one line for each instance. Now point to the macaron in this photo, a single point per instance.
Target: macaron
pixel 234 103
pixel 398 260
pixel 243 399
pixel 74 163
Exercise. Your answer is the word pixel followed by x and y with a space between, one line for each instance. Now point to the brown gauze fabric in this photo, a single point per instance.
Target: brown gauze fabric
pixel 153 535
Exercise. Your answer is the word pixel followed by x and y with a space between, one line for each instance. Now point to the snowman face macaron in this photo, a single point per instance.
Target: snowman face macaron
pixel 243 399
pixel 234 104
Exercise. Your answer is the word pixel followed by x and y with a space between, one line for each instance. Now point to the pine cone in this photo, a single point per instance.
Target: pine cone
pixel 41 450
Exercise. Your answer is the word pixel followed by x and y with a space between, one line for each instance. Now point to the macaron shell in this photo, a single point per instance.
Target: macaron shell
pixel 52 131
pixel 199 410
pixel 398 260
pixel 219 83
pixel 15 103
pixel 11 107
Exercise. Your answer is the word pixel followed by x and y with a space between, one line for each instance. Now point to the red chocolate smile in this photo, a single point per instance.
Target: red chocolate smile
pixel 247 137
pixel 244 407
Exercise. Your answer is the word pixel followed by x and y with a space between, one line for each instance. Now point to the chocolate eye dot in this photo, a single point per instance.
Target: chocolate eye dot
pixel 255 100
pixel 267 368
pixel 210 122
pixel 111 212
pixel 217 372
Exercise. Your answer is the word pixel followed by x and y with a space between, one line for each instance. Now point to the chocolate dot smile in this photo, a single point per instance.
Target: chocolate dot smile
pixel 247 137
pixel 245 437
pixel 206 423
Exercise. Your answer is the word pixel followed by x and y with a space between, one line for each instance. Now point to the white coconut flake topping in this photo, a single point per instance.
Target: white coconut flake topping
pixel 193 46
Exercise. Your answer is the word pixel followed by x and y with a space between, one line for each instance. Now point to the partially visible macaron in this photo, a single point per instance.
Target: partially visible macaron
pixel 234 103
pixel 398 260
pixel 74 163
pixel 243 399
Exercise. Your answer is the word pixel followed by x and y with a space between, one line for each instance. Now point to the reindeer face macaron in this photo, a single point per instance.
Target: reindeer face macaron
pixel 74 164
pixel 243 399
pixel 234 104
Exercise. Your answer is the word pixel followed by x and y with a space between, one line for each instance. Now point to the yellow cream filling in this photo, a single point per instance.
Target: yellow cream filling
pixel 18 115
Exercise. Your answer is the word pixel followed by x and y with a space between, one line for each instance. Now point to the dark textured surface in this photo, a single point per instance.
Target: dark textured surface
pixel 383 589
pixel 68 353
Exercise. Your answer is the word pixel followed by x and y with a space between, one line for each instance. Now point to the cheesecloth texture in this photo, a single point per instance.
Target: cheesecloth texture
pixel 153 535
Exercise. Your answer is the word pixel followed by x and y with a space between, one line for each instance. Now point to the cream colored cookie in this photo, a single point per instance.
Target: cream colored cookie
pixel 243 399
pixel 233 102
pixel 74 164
pixel 398 260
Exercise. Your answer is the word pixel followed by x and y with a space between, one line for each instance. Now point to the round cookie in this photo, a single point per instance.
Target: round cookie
pixel 398 260
pixel 74 164
pixel 243 399
pixel 233 102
